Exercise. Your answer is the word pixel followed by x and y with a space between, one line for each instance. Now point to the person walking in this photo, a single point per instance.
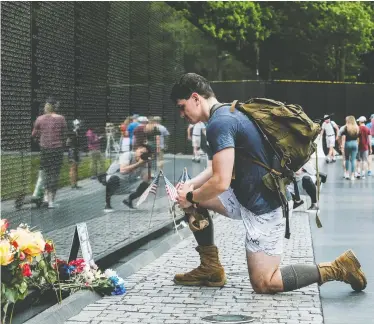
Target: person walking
pixel 197 130
pixel 328 127
pixel 364 147
pixel 245 198
pixel 370 126
pixel 51 129
pixel 161 146
pixel 349 146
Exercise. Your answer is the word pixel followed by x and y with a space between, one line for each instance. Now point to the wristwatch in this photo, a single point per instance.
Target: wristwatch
pixel 189 198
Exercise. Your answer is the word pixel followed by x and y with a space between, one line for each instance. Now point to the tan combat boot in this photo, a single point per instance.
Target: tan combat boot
pixel 345 268
pixel 210 272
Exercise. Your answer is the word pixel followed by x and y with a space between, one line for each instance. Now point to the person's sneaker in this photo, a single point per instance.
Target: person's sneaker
pixel 93 177
pixel 369 173
pixel 128 203
pixel 313 207
pixel 363 177
pixel 75 187
pixel 352 177
pixel 346 175
pixel 197 160
pixel 327 160
pixel 108 209
pixel 297 204
pixel 357 174
pixel 334 159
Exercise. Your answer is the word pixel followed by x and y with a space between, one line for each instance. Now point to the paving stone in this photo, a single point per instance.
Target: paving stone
pixel 152 296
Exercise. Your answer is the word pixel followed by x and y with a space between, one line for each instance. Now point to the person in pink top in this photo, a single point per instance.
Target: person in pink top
pixel 51 130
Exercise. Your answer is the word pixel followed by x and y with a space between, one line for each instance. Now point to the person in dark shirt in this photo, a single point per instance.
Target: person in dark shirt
pixel 233 187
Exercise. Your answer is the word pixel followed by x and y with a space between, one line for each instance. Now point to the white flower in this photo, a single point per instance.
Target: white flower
pixel 86 268
pixel 89 277
pixel 120 281
pixel 110 273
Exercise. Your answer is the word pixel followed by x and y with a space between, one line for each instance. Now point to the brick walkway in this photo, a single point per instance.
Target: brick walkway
pixel 152 296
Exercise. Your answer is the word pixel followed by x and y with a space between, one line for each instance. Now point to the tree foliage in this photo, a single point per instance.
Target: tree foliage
pixel 290 39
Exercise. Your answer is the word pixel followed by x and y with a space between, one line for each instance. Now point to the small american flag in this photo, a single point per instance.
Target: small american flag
pixel 152 188
pixel 170 190
pixel 184 177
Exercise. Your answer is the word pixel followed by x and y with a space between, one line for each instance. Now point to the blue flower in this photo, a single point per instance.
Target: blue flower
pixel 119 290
pixel 68 269
pixel 114 280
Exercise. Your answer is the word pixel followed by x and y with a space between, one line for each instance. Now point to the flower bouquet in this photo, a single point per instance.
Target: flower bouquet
pixel 77 275
pixel 26 261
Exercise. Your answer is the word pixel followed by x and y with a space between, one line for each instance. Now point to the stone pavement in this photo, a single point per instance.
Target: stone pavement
pixel 152 296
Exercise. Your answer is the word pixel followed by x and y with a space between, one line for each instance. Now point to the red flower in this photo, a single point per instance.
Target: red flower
pixel 26 271
pixel 78 264
pixel 48 247
pixel 14 243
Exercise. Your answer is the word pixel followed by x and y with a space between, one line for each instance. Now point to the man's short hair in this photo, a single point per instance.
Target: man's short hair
pixel 146 146
pixel 189 83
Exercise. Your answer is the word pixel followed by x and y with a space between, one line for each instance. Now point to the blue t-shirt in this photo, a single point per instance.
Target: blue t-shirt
pixel 131 129
pixel 234 129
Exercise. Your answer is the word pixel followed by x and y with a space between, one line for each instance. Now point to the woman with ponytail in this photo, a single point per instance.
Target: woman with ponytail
pixel 350 146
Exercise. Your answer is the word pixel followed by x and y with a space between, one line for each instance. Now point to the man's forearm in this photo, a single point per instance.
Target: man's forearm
pixel 201 178
pixel 209 190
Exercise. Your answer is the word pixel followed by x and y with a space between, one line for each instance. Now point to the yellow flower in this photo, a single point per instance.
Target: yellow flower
pixel 6 255
pixel 31 243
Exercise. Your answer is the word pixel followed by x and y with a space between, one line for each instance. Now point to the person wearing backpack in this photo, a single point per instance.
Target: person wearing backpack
pixel 234 187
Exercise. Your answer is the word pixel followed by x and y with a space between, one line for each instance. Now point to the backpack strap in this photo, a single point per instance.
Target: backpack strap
pixel 233 106
pixel 217 106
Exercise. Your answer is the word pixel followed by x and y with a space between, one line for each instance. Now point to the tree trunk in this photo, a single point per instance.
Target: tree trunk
pixel 256 48
pixel 340 58
pixel 342 64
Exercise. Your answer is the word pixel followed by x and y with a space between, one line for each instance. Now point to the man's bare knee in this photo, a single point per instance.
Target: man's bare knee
pixel 262 286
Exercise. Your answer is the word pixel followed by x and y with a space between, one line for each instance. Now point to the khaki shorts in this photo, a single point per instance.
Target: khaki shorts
pixel 264 233
pixel 330 141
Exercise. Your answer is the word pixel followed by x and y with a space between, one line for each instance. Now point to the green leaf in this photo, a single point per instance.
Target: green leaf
pixel 11 295
pixel 23 287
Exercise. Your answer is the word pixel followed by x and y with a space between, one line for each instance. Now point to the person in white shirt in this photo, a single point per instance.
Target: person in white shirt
pixel 161 144
pixel 196 138
pixel 328 127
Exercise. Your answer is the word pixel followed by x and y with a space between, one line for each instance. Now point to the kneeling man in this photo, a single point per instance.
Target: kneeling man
pixel 235 141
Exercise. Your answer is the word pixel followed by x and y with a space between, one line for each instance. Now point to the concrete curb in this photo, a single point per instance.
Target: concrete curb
pixel 73 304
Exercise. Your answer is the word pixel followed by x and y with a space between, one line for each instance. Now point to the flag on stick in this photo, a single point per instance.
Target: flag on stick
pixel 183 178
pixel 152 188
pixel 170 190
